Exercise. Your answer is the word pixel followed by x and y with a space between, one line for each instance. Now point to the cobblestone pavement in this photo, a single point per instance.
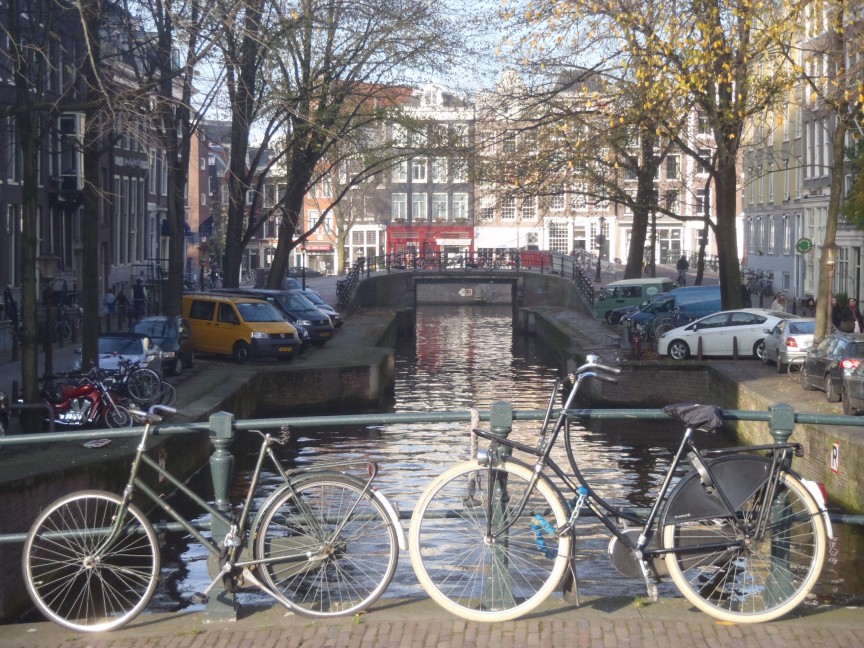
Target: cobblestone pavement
pixel 598 623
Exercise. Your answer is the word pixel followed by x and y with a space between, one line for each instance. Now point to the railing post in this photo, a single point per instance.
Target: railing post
pixel 782 421
pixel 221 605
pixel 499 591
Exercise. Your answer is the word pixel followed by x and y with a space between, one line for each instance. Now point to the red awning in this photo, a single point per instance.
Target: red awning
pixel 319 247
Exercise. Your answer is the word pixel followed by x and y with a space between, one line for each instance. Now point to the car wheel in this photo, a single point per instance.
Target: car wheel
pixel 764 357
pixel 830 392
pixel 848 410
pixel 241 352
pixel 611 318
pixel 678 350
pixel 759 351
pixel 178 367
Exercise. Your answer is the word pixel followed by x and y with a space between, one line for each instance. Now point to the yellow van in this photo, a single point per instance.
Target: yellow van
pixel 241 327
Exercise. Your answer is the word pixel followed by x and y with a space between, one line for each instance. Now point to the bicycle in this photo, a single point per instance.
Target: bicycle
pixel 325 543
pixel 742 536
pixel 69 319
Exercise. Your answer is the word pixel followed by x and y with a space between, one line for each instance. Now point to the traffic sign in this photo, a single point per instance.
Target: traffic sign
pixel 804 245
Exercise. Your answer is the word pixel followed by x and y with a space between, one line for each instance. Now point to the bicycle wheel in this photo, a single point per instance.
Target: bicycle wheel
pixel 62 330
pixel 331 550
pixel 795 369
pixel 167 395
pixel 769 573
pixel 480 580
pixel 144 385
pixel 78 581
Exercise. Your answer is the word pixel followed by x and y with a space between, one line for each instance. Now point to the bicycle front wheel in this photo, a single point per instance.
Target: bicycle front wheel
pixel 329 551
pixel 81 577
pixel 756 576
pixel 488 579
pixel 144 386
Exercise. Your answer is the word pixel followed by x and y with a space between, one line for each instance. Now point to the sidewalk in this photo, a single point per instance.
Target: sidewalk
pixel 419 623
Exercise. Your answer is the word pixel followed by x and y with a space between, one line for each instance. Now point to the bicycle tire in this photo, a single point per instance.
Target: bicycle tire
pixel 762 579
pixel 144 385
pixel 62 331
pixel 795 369
pixel 73 586
pixel 341 575
pixel 167 395
pixel 454 562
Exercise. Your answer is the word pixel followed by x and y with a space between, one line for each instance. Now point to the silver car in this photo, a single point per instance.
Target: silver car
pixel 788 340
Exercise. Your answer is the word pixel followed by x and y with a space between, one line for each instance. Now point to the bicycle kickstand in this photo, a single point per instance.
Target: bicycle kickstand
pixel 570 582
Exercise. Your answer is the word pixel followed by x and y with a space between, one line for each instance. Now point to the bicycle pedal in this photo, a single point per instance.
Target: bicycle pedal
pixel 200 599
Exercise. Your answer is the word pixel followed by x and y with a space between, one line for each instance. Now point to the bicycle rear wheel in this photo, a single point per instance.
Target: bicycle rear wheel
pixel 795 369
pixel 480 580
pixel 144 385
pixel 77 581
pixel 331 550
pixel 767 575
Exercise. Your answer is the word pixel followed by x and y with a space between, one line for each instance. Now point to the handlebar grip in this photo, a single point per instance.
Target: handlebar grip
pixel 608 369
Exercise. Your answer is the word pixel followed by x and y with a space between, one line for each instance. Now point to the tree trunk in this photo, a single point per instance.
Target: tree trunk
pixel 726 191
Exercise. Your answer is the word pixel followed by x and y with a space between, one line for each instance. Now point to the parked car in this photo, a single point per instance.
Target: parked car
pixel 174 337
pixel 689 302
pixel 296 308
pixel 852 392
pixel 836 355
pixel 299 272
pixel 628 292
pixel 239 326
pixel 135 347
pixel 323 306
pixel 720 332
pixel 788 340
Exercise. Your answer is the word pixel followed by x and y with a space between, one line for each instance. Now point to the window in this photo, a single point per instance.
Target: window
pixel 400 135
pixel 418 170
pixel 439 206
pixel 672 167
pixel 557 201
pixel 314 215
pixel 460 206
pixel 439 170
pixel 671 200
pixel 769 235
pixel 529 207
pixel 508 145
pixel 400 172
pixel 419 206
pixel 459 169
pixel 203 199
pixel 508 208
pixel 399 206
pixel 787 235
pixel 700 202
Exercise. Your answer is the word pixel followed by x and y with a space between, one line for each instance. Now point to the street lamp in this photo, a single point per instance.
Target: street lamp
pixel 599 240
pixel 47 270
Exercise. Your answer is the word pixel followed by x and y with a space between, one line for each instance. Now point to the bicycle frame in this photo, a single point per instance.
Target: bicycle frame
pixel 605 512
pixel 233 545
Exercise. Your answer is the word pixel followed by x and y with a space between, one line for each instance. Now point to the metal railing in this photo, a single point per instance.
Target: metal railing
pixel 781 419
pixel 565 265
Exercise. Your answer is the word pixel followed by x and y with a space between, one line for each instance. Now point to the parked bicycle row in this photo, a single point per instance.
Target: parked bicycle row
pixel 490 539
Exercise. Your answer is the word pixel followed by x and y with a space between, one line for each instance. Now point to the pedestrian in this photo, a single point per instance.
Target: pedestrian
pixel 682 267
pixel 810 307
pixel 139 298
pixel 851 320
pixel 835 313
pixel 110 300
pixel 746 301
pixel 779 303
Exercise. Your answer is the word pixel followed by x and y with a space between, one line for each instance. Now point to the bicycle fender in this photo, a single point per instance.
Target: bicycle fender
pixel 738 476
pixel 394 518
pixel 816 493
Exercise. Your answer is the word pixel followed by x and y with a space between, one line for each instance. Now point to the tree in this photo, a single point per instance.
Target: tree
pixel 329 65
pixel 723 57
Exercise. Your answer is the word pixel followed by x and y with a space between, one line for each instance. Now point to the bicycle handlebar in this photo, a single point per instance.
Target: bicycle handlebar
pixel 597 370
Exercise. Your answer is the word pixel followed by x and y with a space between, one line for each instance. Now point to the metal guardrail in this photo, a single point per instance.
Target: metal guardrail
pixel 781 419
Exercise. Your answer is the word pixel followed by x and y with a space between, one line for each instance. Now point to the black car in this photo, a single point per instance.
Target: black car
pixel 323 306
pixel 836 355
pixel 297 310
pixel 173 336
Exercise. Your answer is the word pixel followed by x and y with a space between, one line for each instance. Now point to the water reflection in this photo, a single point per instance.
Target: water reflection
pixel 470 357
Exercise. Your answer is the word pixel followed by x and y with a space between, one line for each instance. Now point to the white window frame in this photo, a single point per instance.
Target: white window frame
pixel 419 207
pixel 399 206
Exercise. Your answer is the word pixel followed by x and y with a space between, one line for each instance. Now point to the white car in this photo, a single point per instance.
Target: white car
pixel 721 332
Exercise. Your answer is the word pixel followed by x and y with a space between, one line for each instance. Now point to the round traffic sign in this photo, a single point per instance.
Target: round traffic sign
pixel 804 245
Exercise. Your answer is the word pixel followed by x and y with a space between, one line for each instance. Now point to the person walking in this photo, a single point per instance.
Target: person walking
pixel 851 320
pixel 779 303
pixel 139 298
pixel 835 313
pixel 682 267
pixel 109 308
pixel 746 300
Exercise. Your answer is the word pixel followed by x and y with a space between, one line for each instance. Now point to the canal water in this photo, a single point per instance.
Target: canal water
pixel 471 357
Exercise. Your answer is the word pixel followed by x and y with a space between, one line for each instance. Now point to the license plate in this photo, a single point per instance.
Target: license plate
pixel 284 349
pixel 325 334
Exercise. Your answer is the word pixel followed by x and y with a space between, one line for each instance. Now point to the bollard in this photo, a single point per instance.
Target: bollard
pixel 499 591
pixel 782 422
pixel 221 605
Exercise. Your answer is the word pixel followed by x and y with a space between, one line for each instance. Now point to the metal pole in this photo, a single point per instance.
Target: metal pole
pixel 221 605
pixel 499 592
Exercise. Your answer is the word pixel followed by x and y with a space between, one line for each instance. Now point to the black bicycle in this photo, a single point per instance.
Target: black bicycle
pixel 742 536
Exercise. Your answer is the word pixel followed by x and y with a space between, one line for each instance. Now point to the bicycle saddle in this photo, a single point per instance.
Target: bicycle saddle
pixel 693 415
